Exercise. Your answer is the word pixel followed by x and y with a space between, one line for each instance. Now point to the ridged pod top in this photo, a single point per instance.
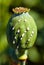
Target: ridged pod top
pixel 19 10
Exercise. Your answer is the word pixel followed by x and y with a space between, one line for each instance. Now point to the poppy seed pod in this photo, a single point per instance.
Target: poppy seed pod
pixel 21 29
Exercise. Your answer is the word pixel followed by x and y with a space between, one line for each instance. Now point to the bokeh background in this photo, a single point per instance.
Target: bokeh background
pixel 36 53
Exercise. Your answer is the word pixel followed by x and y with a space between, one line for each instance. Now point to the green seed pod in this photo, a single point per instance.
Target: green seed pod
pixel 21 29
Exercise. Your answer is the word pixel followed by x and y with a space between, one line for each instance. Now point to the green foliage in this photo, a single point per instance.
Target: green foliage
pixel 3 59
pixel 3 43
pixel 30 3
pixel 34 55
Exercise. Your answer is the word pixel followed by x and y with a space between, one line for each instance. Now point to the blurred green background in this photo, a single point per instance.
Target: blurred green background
pixel 36 53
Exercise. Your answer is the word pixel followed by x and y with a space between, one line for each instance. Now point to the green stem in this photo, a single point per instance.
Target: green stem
pixel 22 62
